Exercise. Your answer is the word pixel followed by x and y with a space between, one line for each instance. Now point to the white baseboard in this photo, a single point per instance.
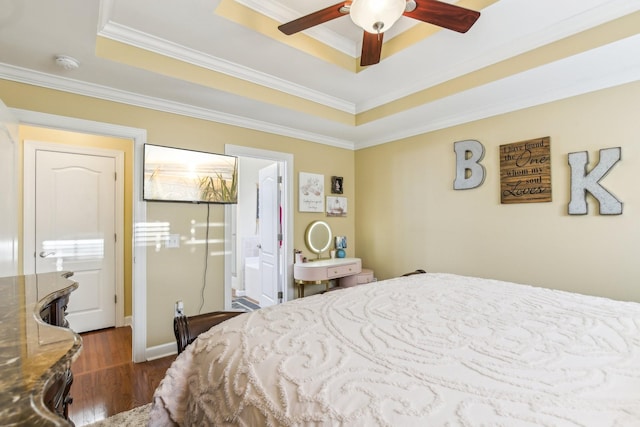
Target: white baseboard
pixel 162 350
pixel 241 293
pixel 128 321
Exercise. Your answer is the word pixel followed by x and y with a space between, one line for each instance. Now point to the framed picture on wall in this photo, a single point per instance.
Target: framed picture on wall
pixel 336 206
pixel 336 185
pixel 311 192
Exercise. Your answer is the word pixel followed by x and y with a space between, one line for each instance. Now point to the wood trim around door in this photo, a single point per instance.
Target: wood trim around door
pixel 139 267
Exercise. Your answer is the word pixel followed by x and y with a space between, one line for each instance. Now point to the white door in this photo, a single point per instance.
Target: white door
pixel 74 200
pixel 269 211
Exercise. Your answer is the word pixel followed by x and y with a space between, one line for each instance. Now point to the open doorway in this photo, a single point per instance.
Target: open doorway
pixel 246 228
pixel 258 271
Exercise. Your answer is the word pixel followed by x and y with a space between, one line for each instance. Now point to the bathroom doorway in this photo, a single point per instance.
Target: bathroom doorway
pixel 257 236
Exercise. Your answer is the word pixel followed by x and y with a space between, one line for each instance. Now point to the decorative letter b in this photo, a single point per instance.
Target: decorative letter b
pixel 469 172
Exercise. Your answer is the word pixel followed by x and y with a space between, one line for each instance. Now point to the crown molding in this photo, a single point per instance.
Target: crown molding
pixel 129 36
pixel 608 66
pixel 22 75
pixel 603 68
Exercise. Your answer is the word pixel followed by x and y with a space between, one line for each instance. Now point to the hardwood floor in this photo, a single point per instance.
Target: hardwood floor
pixel 106 381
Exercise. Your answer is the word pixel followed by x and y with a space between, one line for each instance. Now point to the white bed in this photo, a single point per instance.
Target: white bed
pixel 423 350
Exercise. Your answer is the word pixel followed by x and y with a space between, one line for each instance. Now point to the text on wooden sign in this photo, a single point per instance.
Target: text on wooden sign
pixel 525 171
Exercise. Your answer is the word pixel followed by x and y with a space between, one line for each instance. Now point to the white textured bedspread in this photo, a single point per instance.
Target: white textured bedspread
pixel 423 350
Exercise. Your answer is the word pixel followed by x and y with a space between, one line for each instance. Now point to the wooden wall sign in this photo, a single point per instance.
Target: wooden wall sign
pixel 525 171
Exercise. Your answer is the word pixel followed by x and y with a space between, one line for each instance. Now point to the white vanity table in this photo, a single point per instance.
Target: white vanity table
pixel 322 271
pixel 318 238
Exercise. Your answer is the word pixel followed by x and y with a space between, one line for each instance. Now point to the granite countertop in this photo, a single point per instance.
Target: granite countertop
pixel 32 352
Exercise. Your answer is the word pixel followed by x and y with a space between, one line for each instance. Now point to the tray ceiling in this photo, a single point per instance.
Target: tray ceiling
pixel 225 61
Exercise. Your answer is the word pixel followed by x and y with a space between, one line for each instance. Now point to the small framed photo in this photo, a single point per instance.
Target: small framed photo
pixel 336 185
pixel 341 242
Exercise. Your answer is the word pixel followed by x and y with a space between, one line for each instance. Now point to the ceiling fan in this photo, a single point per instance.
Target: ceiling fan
pixel 377 16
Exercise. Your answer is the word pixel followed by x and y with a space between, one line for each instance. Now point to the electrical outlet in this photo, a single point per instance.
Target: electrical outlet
pixel 173 241
pixel 179 308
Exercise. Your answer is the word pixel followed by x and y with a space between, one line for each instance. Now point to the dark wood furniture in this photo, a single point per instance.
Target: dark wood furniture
pixel 55 311
pixel 414 272
pixel 37 349
pixel 56 396
pixel 187 328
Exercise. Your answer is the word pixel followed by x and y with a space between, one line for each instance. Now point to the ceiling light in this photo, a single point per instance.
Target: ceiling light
pixel 376 16
pixel 67 62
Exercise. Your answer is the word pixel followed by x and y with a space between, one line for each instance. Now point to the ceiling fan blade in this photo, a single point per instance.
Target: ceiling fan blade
pixel 444 15
pixel 371 48
pixel 315 18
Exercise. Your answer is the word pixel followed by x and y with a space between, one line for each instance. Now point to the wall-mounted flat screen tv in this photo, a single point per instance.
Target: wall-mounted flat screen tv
pixel 189 176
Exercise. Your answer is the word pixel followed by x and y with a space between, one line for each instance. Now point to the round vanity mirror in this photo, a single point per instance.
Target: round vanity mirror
pixel 318 237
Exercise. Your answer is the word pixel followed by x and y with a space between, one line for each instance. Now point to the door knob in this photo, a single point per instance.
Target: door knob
pixel 44 254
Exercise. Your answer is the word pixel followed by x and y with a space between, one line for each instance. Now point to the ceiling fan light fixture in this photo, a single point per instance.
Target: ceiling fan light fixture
pixel 376 16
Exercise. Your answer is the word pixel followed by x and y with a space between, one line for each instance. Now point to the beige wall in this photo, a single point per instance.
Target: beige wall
pixel 410 217
pixel 407 214
pixel 178 273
